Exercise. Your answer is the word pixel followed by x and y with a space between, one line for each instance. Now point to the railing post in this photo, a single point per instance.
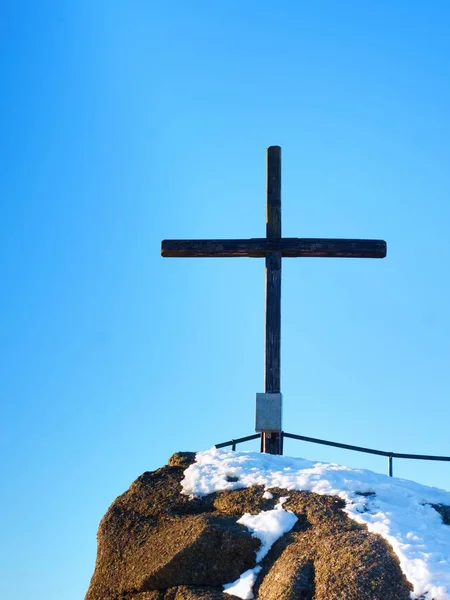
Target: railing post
pixel 233 445
pixel 390 465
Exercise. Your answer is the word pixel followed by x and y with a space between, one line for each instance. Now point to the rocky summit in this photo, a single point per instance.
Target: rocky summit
pixel 154 543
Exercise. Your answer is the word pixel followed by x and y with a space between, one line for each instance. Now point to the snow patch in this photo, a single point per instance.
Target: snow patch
pixel 243 587
pixel 397 509
pixel 268 526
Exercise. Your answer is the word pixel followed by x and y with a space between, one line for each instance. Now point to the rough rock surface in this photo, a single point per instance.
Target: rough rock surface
pixel 156 544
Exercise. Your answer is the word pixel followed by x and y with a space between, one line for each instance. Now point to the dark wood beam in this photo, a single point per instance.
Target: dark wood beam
pixel 289 247
pixel 273 186
pixel 271 441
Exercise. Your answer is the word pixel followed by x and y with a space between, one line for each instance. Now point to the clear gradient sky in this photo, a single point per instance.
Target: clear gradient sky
pixel 126 122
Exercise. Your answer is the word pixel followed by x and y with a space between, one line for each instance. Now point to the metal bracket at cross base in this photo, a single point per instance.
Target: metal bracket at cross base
pixel 268 422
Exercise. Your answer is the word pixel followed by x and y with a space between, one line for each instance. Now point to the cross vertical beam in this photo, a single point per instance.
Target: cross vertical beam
pixel 271 441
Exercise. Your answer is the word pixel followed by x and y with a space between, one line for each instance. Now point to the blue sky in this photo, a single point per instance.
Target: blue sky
pixel 124 123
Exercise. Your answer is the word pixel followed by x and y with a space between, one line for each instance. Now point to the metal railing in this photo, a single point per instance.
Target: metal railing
pixel 303 438
pixel 233 443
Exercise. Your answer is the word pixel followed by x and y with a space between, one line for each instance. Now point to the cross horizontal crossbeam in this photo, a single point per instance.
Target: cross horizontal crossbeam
pixel 288 247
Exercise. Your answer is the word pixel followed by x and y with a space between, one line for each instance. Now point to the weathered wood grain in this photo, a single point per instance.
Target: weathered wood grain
pixel 273 213
pixel 273 323
pixel 288 247
pixel 271 441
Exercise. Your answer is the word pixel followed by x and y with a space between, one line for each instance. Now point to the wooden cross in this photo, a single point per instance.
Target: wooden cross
pixel 273 247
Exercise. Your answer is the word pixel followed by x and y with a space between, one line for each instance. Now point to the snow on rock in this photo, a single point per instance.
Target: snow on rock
pixel 269 525
pixel 397 509
pixel 243 587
